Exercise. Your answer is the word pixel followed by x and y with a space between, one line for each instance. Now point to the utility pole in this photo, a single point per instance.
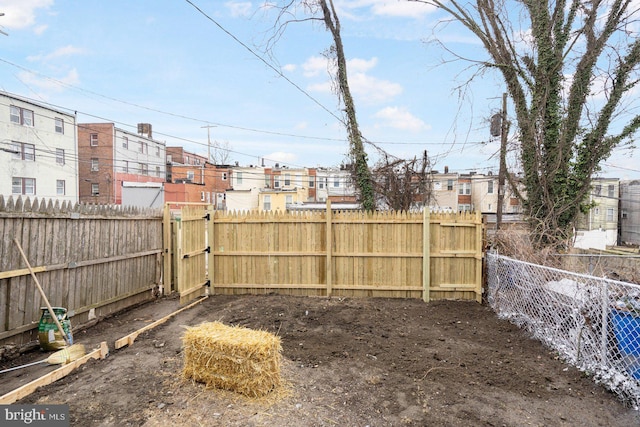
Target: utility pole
pixel 502 173
pixel 208 141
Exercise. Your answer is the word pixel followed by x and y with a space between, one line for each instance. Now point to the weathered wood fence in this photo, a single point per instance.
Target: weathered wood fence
pixel 92 260
pixel 347 254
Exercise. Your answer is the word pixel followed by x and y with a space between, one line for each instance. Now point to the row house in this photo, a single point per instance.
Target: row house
pixel 629 230
pixel 191 178
pixel 38 150
pixel 598 228
pixel 111 158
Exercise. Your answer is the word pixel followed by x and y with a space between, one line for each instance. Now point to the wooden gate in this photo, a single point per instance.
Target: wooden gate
pixel 191 254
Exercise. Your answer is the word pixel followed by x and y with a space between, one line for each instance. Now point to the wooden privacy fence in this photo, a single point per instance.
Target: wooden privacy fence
pixel 348 254
pixel 92 260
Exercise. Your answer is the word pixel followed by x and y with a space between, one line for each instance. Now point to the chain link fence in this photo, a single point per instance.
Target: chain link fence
pixel 593 323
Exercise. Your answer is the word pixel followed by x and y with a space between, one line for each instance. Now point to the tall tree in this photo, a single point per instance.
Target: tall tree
pixel 569 70
pixel 325 12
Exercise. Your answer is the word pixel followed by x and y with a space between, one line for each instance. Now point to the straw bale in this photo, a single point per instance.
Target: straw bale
pixel 233 358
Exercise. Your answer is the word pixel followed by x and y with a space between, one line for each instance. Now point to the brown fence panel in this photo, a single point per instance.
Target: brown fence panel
pixel 92 260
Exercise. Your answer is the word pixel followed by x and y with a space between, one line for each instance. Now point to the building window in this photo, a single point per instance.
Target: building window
pixel 24 186
pixel 490 187
pixel 596 211
pixel 464 208
pixel 93 139
pixel 224 176
pixel 267 202
pixel 169 158
pixel 289 199
pixel 336 181
pixel 464 188
pixel 158 171
pixel 21 116
pixel 158 151
pixel 598 189
pixel 125 142
pixel 95 189
pixel 60 156
pixel 60 187
pixel 610 190
pixel 239 178
pixel 125 168
pixel 59 123
pixel 94 164
pixel 449 185
pixel 276 181
pixel 23 151
pixel 287 179
pixel 312 181
pixel 144 169
pixel 202 196
pixel 321 183
pixel 299 181
pixel 610 215
pixel 190 175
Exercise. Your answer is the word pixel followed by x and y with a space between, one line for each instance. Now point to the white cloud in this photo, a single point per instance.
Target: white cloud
pixel 239 8
pixel 21 14
pixel 400 118
pixel 354 9
pixel 58 53
pixel 290 68
pixel 316 65
pixel 57 85
pixel 357 65
pixel 281 157
pixel 40 29
pixel 372 90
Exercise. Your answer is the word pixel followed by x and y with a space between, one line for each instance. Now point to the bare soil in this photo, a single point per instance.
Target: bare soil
pixel 347 362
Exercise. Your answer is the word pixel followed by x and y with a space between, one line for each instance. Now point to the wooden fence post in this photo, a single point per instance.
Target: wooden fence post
pixel 426 252
pixel 329 249
pixel 166 237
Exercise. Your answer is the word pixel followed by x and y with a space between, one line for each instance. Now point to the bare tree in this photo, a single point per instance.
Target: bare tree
pixel 221 153
pixel 325 12
pixel 402 184
pixel 570 71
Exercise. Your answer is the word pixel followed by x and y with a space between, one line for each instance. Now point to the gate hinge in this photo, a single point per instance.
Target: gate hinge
pixel 207 249
pixel 207 217
pixel 207 284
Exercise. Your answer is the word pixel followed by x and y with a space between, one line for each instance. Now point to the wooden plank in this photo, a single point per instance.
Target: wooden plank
pixel 329 248
pixel 426 255
pixel 61 372
pixel 129 339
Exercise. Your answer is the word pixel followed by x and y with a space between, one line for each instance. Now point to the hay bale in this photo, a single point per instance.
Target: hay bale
pixel 232 358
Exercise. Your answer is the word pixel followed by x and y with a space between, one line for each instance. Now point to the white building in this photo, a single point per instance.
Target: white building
pixel 38 150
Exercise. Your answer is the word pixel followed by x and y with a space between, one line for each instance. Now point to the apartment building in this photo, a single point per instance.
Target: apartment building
pixel 598 228
pixel 38 150
pixel 190 178
pixel 110 156
pixel 334 184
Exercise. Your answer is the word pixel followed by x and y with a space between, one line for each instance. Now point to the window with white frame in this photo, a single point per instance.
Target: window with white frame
pixel 276 181
pixel 336 181
pixel 449 185
pixel 95 189
pixel 23 151
pixel 94 164
pixel 267 202
pixel 125 142
pixel 60 156
pixel 60 187
pixel 464 188
pixel 610 190
pixel 598 189
pixel 287 179
pixel 144 169
pixel 59 125
pixel 312 181
pixel 224 176
pixel 202 196
pixel 157 151
pixel 288 199
pixel 321 183
pixel 93 139
pixel 23 186
pixel 490 187
pixel 238 178
pixel 158 171
pixel 190 175
pixel 610 215
pixel 298 180
pixel 464 208
pixel 20 116
pixel 125 166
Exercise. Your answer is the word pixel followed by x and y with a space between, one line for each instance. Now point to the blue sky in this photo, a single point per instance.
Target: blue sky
pixel 165 63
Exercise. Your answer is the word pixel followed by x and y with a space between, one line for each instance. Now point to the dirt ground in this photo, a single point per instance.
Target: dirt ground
pixel 347 362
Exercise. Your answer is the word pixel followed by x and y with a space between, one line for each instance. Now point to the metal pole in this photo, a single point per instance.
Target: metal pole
pixel 503 163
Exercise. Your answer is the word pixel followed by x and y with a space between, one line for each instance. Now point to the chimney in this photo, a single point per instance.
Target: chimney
pixel 144 129
pixel 446 169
